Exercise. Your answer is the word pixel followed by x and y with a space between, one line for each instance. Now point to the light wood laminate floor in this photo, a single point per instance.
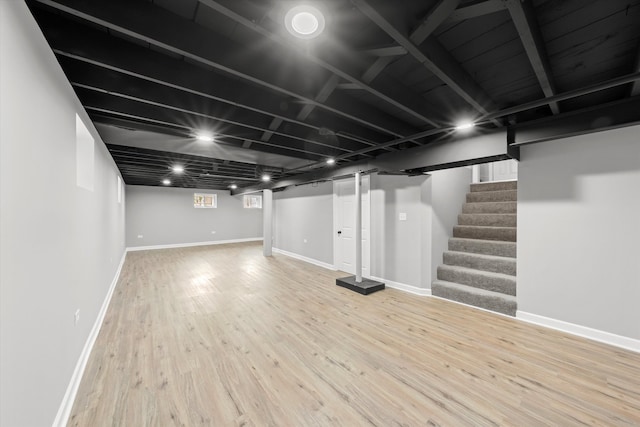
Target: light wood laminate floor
pixel 221 335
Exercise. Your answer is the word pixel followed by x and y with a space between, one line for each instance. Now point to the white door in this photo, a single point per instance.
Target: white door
pixel 505 170
pixel 366 230
pixel 344 207
pixel 344 222
pixel 499 171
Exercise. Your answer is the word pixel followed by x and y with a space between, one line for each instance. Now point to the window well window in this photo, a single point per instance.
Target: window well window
pixel 253 202
pixel 201 200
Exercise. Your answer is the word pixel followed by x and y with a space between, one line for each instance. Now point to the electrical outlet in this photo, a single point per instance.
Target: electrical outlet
pixel 213 232
pixel 304 240
pixel 140 236
pixel 76 317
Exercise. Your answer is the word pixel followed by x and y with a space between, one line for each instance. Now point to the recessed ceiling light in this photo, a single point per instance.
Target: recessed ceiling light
pixel 177 169
pixel 233 186
pixel 305 22
pixel 465 125
pixel 266 177
pixel 166 182
pixel 205 137
pixel 331 161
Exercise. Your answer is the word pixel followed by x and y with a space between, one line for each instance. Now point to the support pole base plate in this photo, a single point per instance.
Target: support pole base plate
pixel 366 287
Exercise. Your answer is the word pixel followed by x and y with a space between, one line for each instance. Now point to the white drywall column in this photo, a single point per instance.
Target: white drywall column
pixel 267 219
pixel 358 228
pixel 475 174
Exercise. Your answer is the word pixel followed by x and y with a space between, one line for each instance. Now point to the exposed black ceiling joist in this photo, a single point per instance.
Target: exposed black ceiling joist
pixel 323 94
pixel 99 49
pixel 391 143
pixel 524 19
pixel 340 134
pixel 635 87
pixel 160 28
pixel 608 84
pixel 377 68
pixel 386 51
pixel 149 167
pixel 151 74
pixel 150 170
pixel 128 158
pixel 273 126
pixel 465 151
pixel 477 9
pixel 156 98
pixel 434 18
pixel 137 156
pixel 428 25
pixel 387 55
pixel 508 111
pixel 103 115
pixel 217 120
pixel 397 96
pixel 497 145
pixel 602 117
pixel 434 57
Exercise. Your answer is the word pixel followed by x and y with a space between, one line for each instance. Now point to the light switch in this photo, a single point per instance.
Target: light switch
pixel 402 216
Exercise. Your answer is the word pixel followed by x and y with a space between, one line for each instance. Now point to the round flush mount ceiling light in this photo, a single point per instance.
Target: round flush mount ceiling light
pixel 305 22
pixel 266 177
pixel 465 126
pixel 204 137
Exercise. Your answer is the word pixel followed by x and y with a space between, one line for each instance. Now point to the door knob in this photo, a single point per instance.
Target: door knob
pixel 339 232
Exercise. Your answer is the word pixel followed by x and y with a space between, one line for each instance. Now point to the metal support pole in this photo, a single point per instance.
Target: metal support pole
pixel 358 229
pixel 267 221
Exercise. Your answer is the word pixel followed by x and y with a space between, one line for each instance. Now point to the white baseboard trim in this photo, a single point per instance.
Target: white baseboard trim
pixel 472 306
pixel 304 258
pixel 187 245
pixel 581 331
pixel 403 287
pixel 62 417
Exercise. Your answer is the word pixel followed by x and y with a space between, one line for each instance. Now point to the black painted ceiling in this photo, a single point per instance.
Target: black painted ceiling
pixel 152 74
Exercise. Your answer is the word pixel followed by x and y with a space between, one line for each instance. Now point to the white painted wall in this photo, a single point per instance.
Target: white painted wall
pixel 578 231
pixel 448 194
pixel 267 222
pixel 409 252
pixel 166 216
pixel 61 244
pixel 304 213
pixel 405 252
pixel 399 248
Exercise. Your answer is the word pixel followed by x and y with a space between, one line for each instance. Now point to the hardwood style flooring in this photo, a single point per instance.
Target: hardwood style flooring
pixel 222 336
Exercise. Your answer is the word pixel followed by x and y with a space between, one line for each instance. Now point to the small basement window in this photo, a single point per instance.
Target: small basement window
pixel 201 200
pixel 253 202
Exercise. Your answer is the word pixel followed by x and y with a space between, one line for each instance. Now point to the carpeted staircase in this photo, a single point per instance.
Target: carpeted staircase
pixel 480 266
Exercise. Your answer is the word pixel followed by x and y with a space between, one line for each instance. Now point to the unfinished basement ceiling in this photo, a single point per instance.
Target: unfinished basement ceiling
pixel 154 74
